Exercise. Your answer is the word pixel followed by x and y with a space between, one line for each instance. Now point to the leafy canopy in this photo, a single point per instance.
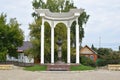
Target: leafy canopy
pixel 11 36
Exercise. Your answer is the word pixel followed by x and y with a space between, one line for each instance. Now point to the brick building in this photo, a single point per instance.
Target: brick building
pixel 88 52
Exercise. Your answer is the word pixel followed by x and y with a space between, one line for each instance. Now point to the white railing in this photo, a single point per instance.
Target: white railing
pixel 21 58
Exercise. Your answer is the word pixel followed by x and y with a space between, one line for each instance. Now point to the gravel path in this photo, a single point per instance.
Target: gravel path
pixel 18 74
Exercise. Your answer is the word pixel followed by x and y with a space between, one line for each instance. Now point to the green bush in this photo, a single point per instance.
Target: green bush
pixel 111 58
pixel 3 56
pixel 87 61
pixel 101 62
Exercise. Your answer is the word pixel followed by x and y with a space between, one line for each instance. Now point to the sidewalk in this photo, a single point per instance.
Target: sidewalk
pixel 18 74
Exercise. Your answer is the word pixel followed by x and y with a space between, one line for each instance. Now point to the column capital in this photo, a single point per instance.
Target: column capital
pixel 43 21
pixel 52 27
pixel 77 25
pixel 68 27
pixel 76 21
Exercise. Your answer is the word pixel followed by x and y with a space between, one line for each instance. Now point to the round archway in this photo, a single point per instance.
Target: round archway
pixel 61 33
pixel 54 18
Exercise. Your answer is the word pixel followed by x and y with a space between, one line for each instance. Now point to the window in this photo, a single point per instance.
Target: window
pixel 91 57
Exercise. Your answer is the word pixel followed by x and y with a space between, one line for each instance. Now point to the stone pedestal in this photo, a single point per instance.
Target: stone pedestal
pixel 59 43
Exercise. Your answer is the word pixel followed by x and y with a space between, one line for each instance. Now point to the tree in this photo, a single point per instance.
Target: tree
pixel 104 51
pixel 35 38
pixel 15 36
pixel 111 58
pixel 54 6
pixel 11 36
pixel 93 48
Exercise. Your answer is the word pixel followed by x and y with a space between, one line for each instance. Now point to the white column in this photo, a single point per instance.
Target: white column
pixel 42 42
pixel 68 45
pixel 52 44
pixel 77 43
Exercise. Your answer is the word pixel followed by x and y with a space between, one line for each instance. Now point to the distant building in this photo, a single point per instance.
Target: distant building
pixel 21 56
pixel 88 52
pixel 26 45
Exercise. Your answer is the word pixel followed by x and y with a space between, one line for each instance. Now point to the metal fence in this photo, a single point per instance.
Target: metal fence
pixel 17 63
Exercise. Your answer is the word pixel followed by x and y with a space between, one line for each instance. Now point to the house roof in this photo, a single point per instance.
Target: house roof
pixel 26 45
pixel 89 49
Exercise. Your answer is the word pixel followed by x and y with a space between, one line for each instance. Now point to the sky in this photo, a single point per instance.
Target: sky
pixel 101 30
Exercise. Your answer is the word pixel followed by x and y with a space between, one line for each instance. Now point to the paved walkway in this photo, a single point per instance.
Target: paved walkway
pixel 18 74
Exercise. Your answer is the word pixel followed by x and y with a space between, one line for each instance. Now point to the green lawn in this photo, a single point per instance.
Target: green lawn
pixel 72 68
pixel 36 68
pixel 81 68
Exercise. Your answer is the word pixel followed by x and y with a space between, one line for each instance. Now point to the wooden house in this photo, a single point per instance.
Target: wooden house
pixel 88 52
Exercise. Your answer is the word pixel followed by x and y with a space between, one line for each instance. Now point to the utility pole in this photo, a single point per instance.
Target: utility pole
pixel 99 41
pixel 119 48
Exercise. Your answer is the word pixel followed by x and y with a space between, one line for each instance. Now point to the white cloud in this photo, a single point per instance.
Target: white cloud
pixel 21 9
pixel 103 21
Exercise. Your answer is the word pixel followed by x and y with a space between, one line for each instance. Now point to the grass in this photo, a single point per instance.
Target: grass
pixel 36 68
pixel 81 68
pixel 72 68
